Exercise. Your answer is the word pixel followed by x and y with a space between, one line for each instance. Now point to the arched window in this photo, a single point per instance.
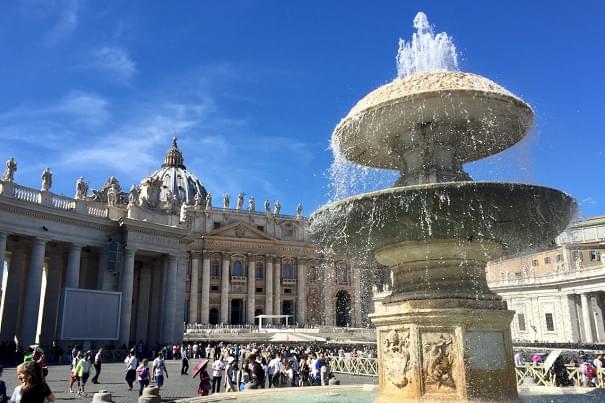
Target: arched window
pixel 237 268
pixel 215 270
pixel 287 271
pixel 260 271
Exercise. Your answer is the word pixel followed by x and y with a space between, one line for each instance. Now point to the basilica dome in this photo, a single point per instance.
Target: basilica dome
pixel 175 179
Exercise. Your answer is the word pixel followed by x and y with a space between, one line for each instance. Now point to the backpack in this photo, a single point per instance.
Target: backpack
pixel 590 371
pixel 143 373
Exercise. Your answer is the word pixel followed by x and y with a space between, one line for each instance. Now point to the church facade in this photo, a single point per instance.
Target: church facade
pixel 170 252
pixel 558 294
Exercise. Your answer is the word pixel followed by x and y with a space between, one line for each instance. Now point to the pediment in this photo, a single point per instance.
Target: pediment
pixel 240 230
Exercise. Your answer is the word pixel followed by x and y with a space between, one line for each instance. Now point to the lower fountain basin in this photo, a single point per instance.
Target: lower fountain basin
pixel 517 216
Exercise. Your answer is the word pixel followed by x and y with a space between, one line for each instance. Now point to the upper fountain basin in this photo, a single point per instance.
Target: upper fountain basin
pixel 467 112
pixel 516 216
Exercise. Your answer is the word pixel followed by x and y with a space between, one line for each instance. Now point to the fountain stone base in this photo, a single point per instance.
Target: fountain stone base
pixel 445 345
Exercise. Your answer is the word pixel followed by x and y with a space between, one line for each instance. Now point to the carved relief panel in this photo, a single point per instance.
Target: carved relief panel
pixel 438 362
pixel 396 357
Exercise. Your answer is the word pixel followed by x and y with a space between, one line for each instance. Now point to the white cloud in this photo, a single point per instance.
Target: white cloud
pixel 68 13
pixel 113 61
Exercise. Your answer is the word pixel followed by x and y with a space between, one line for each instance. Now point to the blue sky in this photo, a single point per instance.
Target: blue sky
pixel 253 89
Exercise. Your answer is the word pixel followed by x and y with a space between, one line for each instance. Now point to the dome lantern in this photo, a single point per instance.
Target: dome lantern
pixel 174 157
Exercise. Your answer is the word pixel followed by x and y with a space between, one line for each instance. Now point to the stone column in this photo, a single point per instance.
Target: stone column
pixel 156 302
pixel 251 301
pixel 101 268
pixel 328 292
pixel 3 237
pixel 33 290
pixel 301 294
pixel 72 275
pixel 277 287
pixel 357 306
pixel 269 285
pixel 568 308
pixel 170 302
pixel 179 312
pixel 587 318
pixel 10 297
pixel 225 289
pixel 143 304
pixel 205 288
pixel 54 274
pixel 597 310
pixel 193 290
pixel 126 286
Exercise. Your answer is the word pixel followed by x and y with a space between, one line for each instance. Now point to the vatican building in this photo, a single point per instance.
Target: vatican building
pixel 116 265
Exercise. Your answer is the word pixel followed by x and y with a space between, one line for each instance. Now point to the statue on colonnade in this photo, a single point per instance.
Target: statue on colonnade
pixel 9 173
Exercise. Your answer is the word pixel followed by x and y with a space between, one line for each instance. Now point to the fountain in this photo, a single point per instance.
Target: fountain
pixel 442 334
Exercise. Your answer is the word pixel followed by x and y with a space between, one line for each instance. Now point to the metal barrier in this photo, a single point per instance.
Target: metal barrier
pixel 354 365
pixel 541 378
pixel 534 373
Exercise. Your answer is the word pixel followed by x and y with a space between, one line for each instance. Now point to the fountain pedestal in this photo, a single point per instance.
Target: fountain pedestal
pixel 450 342
pixel 454 354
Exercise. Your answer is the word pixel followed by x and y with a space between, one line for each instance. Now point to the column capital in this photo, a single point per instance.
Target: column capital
pixel 3 235
pixel 195 253
pixel 129 251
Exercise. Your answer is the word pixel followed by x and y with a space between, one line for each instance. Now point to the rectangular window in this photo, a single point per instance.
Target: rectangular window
pixel 260 272
pixel 217 225
pixel 287 291
pixel 559 258
pixel 518 274
pixel 521 319
pixel 259 289
pixel 550 324
pixel 547 260
pixel 595 256
pixel 534 263
pixel 576 255
pixel 260 228
pixel 214 288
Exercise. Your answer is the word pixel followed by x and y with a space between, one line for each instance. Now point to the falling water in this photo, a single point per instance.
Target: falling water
pixel 426 52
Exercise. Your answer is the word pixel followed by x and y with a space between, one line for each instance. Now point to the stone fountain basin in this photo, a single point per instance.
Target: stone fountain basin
pixel 468 113
pixel 517 216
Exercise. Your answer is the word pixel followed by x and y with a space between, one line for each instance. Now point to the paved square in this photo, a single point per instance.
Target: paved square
pixel 112 379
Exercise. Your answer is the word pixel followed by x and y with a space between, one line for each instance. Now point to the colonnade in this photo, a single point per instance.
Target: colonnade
pixel 39 268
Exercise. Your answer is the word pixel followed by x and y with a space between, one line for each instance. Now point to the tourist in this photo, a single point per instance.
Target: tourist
pixel 3 397
pixel 131 369
pixel 274 370
pixel 159 370
pixel 304 370
pixel 258 374
pixel 143 375
pixel 32 387
pixel 185 362
pixel 518 359
pixel 588 372
pixel 196 350
pixel 217 373
pixel 83 372
pixel 73 377
pixel 97 365
pixel 230 375
pixel 288 372
pixel 560 372
pixel 203 388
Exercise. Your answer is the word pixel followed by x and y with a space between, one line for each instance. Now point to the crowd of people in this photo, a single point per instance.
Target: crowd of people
pixel 587 364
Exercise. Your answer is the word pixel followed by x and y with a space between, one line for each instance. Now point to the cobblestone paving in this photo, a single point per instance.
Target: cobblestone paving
pixel 112 379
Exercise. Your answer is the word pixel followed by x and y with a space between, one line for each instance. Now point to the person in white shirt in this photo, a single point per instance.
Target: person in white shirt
pixel 159 369
pixel 131 368
pixel 273 369
pixel 217 373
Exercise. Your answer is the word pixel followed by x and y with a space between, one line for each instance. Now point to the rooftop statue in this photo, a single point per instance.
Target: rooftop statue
pixel 276 208
pixel 47 180
pixel 9 173
pixel 251 204
pixel 226 200
pixel 197 199
pixel 133 196
pixel 267 206
pixel 208 201
pixel 81 189
pixel 240 201
pixel 299 210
